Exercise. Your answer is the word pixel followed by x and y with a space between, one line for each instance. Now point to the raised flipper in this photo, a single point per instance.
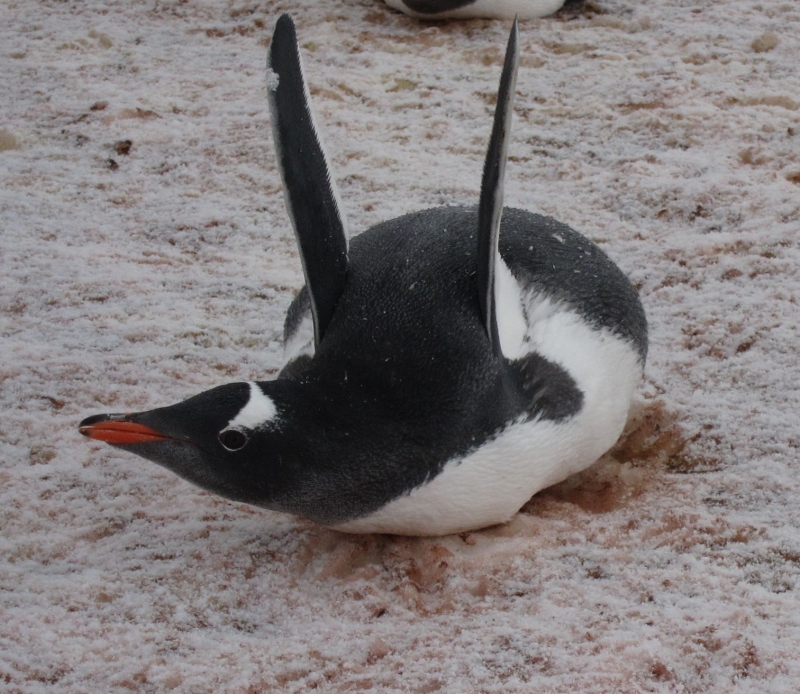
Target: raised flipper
pixel 491 203
pixel 310 193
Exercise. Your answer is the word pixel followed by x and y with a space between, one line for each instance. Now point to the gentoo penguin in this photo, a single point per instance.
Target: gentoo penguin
pixel 440 370
pixel 476 9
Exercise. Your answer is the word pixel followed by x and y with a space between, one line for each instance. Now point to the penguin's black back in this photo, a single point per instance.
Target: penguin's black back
pixel 405 379
pixel 434 250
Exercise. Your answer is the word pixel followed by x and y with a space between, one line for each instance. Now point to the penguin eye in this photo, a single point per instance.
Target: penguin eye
pixel 233 439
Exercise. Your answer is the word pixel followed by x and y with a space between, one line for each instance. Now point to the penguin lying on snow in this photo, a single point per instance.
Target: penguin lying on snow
pixel 473 9
pixel 440 371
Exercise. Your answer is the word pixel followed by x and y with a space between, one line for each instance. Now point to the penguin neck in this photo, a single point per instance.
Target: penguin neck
pixel 313 418
pixel 307 403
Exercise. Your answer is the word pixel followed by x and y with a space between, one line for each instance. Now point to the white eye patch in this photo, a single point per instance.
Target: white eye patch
pixel 259 411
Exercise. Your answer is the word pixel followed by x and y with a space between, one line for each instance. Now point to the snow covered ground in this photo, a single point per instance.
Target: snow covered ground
pixel 146 256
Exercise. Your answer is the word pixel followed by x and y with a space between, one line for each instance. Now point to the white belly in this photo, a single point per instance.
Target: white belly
pixel 491 484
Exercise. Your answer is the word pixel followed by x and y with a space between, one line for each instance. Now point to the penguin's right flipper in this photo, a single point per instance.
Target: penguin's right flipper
pixel 490 208
pixel 310 193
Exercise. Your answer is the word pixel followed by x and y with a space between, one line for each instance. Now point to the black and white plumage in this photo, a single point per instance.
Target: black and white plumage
pixel 439 371
pixel 476 9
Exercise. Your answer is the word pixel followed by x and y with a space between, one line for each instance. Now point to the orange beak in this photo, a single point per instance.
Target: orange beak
pixel 120 431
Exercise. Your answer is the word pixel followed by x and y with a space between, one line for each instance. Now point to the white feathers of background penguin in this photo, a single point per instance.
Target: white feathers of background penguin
pixel 474 9
pixel 440 371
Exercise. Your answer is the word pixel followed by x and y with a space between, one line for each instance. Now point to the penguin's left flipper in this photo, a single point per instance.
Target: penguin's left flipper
pixel 298 336
pixel 310 193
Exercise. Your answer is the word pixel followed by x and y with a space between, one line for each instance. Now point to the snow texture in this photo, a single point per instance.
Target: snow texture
pixel 146 256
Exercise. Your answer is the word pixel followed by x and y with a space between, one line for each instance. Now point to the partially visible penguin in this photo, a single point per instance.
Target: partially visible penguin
pixel 476 9
pixel 440 370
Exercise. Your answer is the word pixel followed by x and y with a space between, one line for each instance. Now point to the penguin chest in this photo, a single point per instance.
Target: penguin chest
pixel 492 482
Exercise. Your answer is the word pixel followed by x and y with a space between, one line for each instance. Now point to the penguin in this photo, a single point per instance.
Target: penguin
pixel 476 9
pixel 441 367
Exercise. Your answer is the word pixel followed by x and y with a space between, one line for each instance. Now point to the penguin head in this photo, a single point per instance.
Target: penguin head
pixel 225 440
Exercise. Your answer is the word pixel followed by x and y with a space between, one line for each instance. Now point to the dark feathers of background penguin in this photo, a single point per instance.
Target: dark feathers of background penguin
pixel 441 368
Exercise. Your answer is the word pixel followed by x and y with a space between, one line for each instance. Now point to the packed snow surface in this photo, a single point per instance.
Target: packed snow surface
pixel 146 256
